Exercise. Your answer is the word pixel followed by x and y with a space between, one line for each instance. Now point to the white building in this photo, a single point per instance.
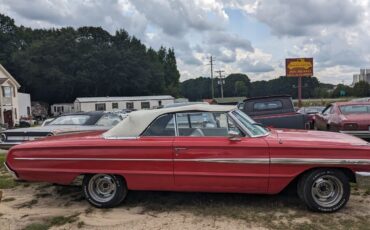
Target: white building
pixel 9 112
pixel 24 104
pixel 363 76
pixel 58 109
pixel 87 104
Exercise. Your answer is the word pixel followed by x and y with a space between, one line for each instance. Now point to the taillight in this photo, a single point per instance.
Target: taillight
pixel 350 126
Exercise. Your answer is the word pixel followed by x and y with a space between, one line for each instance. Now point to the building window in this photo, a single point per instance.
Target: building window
pixel 29 111
pixel 15 113
pixel 115 105
pixel 100 107
pixel 145 105
pixel 7 91
pixel 55 108
pixel 129 105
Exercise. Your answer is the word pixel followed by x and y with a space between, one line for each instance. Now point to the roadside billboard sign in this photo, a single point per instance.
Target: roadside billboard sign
pixel 299 67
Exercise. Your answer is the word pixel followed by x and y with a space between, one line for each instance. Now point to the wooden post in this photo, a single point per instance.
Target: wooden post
pixel 299 92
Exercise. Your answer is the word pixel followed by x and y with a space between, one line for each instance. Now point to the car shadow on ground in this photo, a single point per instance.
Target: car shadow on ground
pixel 198 202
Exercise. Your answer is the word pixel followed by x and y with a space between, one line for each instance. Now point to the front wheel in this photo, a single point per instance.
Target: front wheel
pixel 324 190
pixel 104 190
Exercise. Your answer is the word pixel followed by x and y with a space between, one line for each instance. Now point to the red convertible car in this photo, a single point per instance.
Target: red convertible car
pixel 205 148
pixel 346 117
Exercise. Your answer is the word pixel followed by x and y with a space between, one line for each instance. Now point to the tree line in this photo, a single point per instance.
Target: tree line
pixel 239 85
pixel 58 65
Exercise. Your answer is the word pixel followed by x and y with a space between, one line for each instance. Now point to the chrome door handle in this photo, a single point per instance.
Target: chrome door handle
pixel 178 149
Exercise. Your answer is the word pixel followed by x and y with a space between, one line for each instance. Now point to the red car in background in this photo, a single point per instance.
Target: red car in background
pixel 311 112
pixel 346 117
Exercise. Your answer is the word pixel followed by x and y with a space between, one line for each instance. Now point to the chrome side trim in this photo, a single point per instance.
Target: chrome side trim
pixel 14 175
pixel 320 161
pixel 207 160
pixel 229 160
pixel 302 161
pixel 87 159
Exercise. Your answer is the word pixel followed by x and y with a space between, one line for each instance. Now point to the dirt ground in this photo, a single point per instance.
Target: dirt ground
pixel 44 206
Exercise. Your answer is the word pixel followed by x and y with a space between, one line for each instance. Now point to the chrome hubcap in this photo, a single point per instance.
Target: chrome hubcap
pixel 102 187
pixel 327 191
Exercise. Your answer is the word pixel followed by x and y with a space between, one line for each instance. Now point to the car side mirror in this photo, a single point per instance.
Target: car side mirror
pixel 234 135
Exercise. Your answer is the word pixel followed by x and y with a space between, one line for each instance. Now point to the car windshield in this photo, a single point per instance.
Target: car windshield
pixel 254 128
pixel 70 120
pixel 355 109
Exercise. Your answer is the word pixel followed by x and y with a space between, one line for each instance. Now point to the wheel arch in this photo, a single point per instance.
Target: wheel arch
pixel 78 179
pixel 348 172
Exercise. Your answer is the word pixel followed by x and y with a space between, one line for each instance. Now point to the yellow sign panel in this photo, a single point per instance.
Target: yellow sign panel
pixel 299 67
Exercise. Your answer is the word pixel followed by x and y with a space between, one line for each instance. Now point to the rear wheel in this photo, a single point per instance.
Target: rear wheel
pixel 104 190
pixel 324 190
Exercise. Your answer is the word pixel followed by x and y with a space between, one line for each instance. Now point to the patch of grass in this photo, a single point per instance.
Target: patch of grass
pixel 62 220
pixel 10 199
pixel 80 224
pixel 367 192
pixel 7 182
pixel 37 226
pixel 54 221
pixel 2 160
pixel 27 204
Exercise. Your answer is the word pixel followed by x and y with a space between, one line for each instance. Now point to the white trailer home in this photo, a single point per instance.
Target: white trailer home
pixel 87 104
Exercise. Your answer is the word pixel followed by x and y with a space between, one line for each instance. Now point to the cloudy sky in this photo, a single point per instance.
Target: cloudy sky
pixel 249 36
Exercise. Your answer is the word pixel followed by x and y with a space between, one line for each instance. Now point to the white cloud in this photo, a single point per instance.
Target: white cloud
pixel 334 32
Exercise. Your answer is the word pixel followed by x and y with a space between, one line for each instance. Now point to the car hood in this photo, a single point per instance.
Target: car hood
pixel 58 129
pixel 317 138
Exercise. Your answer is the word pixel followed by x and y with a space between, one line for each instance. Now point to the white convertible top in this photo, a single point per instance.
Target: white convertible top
pixel 136 122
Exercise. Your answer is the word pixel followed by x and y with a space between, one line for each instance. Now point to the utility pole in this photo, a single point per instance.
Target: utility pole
pixel 299 92
pixel 212 87
pixel 221 82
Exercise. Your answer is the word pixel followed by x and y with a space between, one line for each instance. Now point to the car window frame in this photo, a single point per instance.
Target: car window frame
pixel 245 133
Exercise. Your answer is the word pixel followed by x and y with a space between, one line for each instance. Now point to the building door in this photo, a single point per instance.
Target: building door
pixel 8 118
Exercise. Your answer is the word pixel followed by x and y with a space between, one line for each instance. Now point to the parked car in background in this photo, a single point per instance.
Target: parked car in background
pixel 220 150
pixel 274 111
pixel 347 117
pixel 310 112
pixel 67 123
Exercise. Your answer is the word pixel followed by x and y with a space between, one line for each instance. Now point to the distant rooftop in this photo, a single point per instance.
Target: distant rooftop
pixel 134 98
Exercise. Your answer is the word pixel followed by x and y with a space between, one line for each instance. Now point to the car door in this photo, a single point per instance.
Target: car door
pixel 207 159
pixel 151 156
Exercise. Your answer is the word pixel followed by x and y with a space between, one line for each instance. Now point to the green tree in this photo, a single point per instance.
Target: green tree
pixel 361 89
pixel 58 65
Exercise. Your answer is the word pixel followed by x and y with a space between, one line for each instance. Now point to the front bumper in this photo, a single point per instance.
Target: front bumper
pixel 363 179
pixel 14 174
pixel 361 134
pixel 8 145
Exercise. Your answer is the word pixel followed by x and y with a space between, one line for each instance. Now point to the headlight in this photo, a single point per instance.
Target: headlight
pixel 350 126
pixel 2 137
